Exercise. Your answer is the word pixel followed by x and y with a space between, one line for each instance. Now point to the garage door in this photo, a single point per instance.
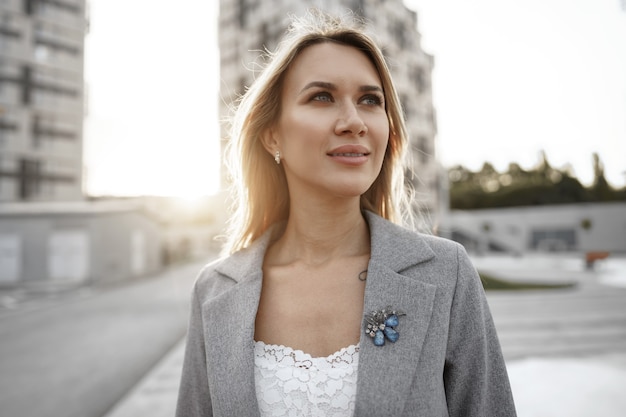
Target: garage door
pixel 10 258
pixel 68 256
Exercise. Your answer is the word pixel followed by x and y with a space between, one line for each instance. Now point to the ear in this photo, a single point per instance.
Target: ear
pixel 269 141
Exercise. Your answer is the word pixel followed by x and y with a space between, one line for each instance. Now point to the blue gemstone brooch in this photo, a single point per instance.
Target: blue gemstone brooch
pixel 381 325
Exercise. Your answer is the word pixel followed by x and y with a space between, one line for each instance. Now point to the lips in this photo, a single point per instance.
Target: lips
pixel 348 154
pixel 350 151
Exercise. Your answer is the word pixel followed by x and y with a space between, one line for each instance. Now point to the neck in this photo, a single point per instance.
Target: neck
pixel 316 234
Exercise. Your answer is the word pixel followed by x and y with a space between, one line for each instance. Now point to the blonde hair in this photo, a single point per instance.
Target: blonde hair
pixel 260 192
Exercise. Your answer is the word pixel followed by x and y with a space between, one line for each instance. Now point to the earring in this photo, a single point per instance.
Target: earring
pixel 277 157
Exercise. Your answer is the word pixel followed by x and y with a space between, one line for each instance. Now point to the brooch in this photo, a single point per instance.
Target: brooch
pixel 381 325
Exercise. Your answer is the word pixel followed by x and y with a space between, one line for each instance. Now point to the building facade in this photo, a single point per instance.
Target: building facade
pixel 588 227
pixel 249 27
pixel 76 243
pixel 41 99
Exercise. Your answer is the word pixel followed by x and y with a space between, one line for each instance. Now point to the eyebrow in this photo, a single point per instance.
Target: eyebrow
pixel 333 87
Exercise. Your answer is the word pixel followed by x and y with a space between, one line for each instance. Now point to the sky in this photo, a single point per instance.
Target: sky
pixel 511 78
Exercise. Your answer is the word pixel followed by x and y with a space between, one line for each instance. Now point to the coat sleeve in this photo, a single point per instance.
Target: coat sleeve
pixel 475 376
pixel 194 398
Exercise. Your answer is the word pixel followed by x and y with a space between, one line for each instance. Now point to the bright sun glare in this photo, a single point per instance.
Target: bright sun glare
pixel 152 121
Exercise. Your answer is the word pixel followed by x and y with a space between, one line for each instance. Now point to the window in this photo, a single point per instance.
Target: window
pixel 48 7
pixel 26 85
pixel 242 13
pixel 419 78
pixel 268 36
pixel 553 240
pixel 265 36
pixel 7 32
pixel 6 127
pixel 29 177
pixel 49 128
pixel 242 87
pixel 423 149
pixel 406 106
pixel 357 6
pixel 397 28
pixel 57 46
pixel 29 6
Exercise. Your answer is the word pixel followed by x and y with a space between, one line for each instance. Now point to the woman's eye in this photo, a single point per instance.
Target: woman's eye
pixel 322 97
pixel 372 100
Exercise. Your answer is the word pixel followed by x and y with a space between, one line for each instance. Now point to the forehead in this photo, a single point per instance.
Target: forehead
pixel 332 62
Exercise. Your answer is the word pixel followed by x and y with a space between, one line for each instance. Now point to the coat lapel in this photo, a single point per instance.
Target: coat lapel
pixel 229 327
pixel 230 357
pixel 386 372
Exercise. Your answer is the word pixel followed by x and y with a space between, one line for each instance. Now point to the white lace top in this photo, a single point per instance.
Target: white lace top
pixel 292 383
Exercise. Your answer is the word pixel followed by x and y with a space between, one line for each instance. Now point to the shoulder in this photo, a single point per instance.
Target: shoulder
pixel 210 282
pixel 243 266
pixel 440 245
pixel 451 269
pixel 389 238
pixel 448 256
pixel 432 259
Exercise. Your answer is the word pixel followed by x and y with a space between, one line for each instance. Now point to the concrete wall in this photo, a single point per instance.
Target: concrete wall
pixel 590 227
pixel 117 240
pixel 79 247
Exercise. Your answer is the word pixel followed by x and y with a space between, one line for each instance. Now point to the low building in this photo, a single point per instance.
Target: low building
pixel 191 230
pixel 77 243
pixel 597 227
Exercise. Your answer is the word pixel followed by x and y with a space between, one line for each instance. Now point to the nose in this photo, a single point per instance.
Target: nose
pixel 350 121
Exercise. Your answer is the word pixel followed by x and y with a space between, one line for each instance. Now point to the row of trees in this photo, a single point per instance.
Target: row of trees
pixel 541 185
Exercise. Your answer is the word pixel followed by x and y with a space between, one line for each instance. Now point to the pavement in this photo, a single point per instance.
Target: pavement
pixel 78 349
pixel 565 349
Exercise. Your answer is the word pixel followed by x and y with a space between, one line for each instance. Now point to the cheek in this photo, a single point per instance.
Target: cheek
pixel 296 126
pixel 300 135
pixel 381 131
pixel 381 139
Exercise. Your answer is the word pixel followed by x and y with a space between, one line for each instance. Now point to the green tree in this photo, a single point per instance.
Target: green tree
pixel 542 185
pixel 600 189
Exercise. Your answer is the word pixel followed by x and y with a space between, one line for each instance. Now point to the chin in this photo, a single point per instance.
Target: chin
pixel 353 190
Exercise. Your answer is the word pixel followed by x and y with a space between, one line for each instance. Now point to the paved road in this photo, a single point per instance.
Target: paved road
pixel 587 320
pixel 76 353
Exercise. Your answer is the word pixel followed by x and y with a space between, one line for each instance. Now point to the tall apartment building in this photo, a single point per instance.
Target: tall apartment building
pixel 247 27
pixel 41 99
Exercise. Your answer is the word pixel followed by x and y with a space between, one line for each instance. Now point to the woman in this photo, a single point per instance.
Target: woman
pixel 326 307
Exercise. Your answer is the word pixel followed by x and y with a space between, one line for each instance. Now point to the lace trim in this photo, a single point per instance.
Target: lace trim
pixel 269 355
pixel 291 382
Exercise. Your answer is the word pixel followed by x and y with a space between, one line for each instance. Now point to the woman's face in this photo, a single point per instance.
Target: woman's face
pixel 333 130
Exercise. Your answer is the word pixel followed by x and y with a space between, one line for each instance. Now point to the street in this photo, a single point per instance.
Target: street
pixel 588 319
pixel 583 321
pixel 75 353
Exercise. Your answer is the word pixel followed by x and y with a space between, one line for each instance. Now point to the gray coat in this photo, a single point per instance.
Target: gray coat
pixel 447 361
